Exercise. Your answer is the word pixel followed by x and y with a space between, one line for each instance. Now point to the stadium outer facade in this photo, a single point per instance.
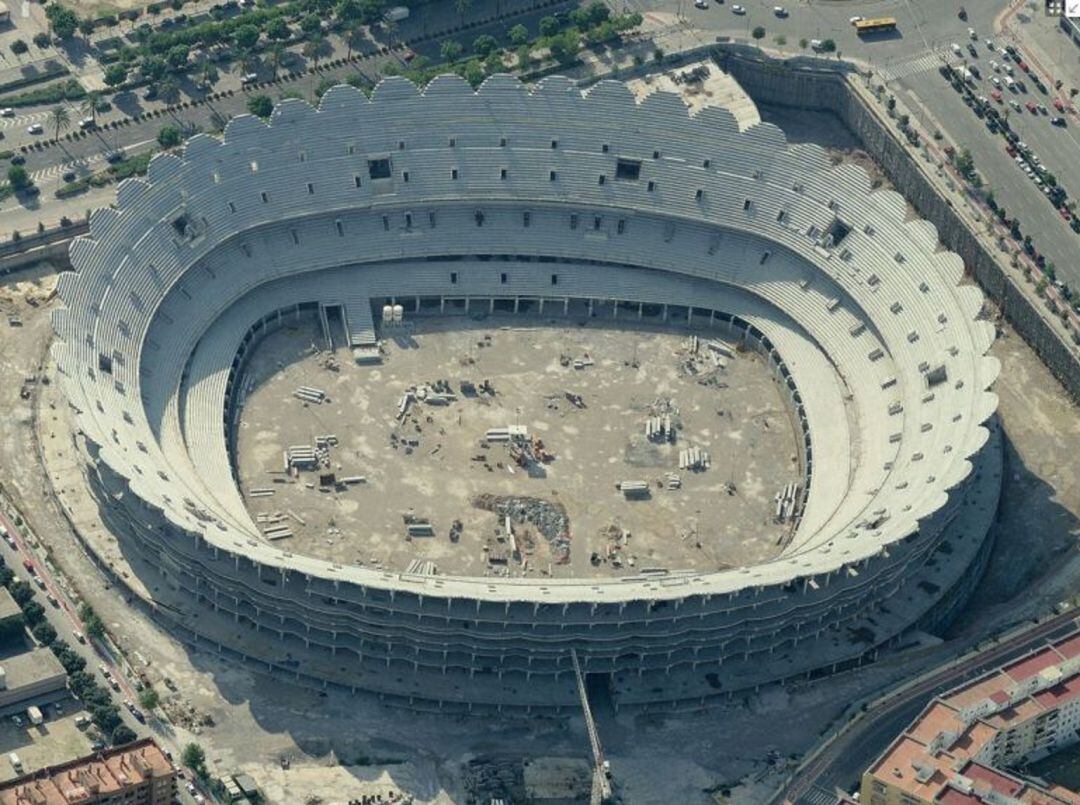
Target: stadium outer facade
pixel 540 200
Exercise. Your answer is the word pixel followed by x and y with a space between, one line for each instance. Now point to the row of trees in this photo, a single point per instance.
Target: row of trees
pixel 97 700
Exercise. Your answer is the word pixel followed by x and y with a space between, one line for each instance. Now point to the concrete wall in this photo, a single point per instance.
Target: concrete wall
pixel 824 86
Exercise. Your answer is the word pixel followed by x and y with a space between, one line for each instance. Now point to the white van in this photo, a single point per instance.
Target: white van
pixel 15 762
pixel 956 49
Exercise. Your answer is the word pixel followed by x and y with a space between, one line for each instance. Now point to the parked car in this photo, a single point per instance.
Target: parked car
pixel 34 128
pixel 737 9
pixel 7 111
pixel 1031 108
pixel 780 11
pixel 1058 121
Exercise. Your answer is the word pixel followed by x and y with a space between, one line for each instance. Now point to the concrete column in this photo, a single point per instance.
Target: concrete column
pixel 517 303
pixel 665 313
pixel 566 306
pixel 541 306
pixel 442 304
pixel 640 310
pixel 491 305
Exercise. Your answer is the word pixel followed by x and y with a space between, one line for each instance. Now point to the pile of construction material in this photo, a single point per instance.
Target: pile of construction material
pixel 694 459
pixel 550 519
pixel 634 490
pixel 787 502
pixel 274 526
pixel 706 358
pixel 659 429
pixel 422 567
pixel 307 457
pixel 308 394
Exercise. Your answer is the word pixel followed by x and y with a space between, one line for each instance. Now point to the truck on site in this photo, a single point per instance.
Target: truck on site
pixel 397 13
pixel 966 75
pixel 33 713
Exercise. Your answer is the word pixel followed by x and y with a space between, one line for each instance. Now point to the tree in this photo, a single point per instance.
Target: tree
pixel 153 68
pixel 89 107
pixel 311 24
pixel 19 179
pixel 169 88
pixel 106 716
pixel 275 53
pixel 80 682
pixel 169 136
pixel 758 32
pixel 260 105
pixel 149 698
pixel 565 46
pixel 209 74
pixel 549 26
pixel 177 57
pixel 194 758
pixel 20 590
pixel 115 75
pixel 519 34
pixel 123 734
pixel 781 40
pixel 964 162
pixel 828 46
pixel 33 612
pixel 803 43
pixel 484 45
pixel 277 29
pixel 92 624
pixel 473 72
pixel 658 55
pixel 19 47
pixel 44 633
pixel 86 26
pixel 246 36
pixel 313 49
pixel 451 50
pixel 41 39
pixel 348 12
pixel 62 20
pixel 371 11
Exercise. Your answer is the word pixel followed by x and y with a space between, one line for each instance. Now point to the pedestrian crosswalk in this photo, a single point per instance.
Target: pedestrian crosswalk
pixel 23 120
pixel 817 795
pixel 81 167
pixel 920 63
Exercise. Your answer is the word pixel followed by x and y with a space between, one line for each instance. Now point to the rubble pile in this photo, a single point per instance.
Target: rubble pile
pixel 550 519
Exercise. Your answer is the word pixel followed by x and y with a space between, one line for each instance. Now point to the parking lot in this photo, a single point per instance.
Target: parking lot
pixel 56 740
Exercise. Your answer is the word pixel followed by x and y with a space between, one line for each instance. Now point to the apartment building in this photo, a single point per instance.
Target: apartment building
pixel 959 748
pixel 134 774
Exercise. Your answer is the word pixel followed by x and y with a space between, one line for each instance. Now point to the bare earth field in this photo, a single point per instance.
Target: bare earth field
pixel 434 463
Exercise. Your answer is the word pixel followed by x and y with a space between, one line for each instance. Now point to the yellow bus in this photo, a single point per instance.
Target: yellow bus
pixel 876 26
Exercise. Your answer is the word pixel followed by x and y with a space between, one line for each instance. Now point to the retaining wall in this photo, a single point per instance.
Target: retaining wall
pixel 824 86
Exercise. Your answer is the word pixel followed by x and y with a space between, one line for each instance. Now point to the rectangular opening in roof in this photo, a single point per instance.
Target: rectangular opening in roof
pixel 378 168
pixel 837 231
pixel 628 170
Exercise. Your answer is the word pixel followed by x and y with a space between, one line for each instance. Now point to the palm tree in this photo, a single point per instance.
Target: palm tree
pixel 60 119
pixel 462 6
pixel 89 106
pixel 313 49
pixel 169 88
pixel 275 52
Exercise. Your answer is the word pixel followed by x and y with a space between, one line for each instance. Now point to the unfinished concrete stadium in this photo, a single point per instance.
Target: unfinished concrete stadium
pixel 442 394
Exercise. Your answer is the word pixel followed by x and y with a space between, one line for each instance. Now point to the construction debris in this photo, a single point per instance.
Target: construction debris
pixel 634 489
pixel 550 519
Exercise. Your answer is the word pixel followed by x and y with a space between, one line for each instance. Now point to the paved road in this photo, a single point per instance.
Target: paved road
pixel 65 619
pixel 842 764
